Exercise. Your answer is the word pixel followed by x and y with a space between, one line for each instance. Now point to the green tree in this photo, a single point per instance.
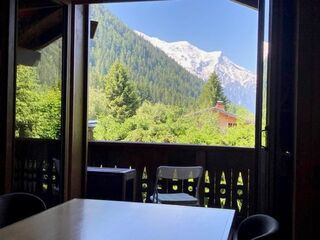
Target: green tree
pixel 212 92
pixel 27 98
pixel 97 103
pixel 109 128
pixel 242 135
pixel 38 113
pixel 48 125
pixel 154 123
pixel 169 124
pixel 200 129
pixel 122 97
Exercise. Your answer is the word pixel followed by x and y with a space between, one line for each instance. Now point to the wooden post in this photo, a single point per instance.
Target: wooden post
pixel 75 148
pixel 7 83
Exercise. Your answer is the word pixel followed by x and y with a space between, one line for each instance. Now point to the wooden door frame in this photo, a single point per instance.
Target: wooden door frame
pixel 281 115
pixel 7 91
pixel 75 99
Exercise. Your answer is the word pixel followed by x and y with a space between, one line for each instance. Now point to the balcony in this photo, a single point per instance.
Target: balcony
pixel 228 180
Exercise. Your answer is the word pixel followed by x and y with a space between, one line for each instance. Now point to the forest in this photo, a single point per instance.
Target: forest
pixel 136 93
pixel 164 96
pixel 126 117
pixel 38 96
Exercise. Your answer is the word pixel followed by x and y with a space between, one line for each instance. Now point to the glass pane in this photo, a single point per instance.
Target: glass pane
pixel 174 72
pixel 39 101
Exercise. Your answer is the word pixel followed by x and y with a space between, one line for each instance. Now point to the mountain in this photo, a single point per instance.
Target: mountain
pixel 238 83
pixel 157 77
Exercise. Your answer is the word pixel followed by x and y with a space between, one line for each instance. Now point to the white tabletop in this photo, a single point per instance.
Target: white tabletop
pixel 111 220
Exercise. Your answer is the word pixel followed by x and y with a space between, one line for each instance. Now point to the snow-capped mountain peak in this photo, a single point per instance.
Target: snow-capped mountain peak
pixel 193 59
pixel 239 84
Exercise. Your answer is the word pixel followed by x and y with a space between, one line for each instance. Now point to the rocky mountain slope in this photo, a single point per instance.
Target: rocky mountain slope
pixel 238 83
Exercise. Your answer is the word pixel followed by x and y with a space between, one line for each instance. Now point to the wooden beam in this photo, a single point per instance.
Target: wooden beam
pixel 109 1
pixel 76 85
pixel 249 3
pixel 35 4
pixel 7 85
pixel 63 2
pixel 27 57
pixel 40 34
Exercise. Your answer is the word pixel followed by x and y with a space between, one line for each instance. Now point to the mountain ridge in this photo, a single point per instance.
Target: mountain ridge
pixel 238 83
pixel 158 78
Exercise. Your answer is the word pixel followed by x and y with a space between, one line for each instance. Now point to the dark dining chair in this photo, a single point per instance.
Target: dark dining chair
pixel 17 206
pixel 256 227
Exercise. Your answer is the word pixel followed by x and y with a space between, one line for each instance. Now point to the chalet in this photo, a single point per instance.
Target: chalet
pixel 225 119
pixel 280 176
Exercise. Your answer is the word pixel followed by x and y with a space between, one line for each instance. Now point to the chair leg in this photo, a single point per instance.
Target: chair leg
pixel 232 231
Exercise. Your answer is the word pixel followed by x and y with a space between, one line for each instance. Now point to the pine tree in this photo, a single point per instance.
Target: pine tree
pixel 122 97
pixel 212 92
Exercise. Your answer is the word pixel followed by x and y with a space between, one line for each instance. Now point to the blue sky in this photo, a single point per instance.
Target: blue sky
pixel 212 25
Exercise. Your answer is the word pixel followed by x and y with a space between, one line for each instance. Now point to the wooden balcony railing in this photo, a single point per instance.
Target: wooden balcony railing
pixel 36 170
pixel 228 180
pixel 228 176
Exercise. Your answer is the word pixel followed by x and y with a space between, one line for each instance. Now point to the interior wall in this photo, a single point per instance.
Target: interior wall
pixel 295 118
pixel 307 155
pixel 281 112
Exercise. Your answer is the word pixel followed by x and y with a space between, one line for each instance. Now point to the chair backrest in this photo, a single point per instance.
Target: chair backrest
pixel 258 226
pixel 17 206
pixel 179 173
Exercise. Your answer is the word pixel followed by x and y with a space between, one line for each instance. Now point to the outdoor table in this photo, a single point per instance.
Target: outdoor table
pixel 111 183
pixel 84 219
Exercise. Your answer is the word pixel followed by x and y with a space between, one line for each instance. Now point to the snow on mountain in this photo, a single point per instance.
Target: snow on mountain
pixel 238 83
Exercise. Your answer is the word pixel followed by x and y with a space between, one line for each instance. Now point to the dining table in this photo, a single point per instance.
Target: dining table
pixel 84 219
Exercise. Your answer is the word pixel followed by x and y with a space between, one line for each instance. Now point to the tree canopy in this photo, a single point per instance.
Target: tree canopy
pixel 212 92
pixel 122 97
pixel 38 112
pixel 27 99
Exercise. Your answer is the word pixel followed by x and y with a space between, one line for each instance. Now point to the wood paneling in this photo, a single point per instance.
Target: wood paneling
pixel 281 111
pixel 40 32
pixel 7 82
pixel 307 162
pixel 37 4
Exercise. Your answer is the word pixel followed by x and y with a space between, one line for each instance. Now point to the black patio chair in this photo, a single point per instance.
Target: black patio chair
pixel 258 226
pixel 17 206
